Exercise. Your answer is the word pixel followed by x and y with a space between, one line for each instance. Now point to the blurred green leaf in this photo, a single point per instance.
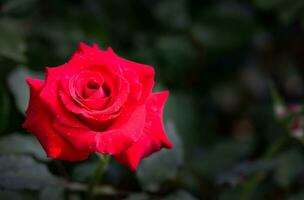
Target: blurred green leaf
pixel 52 192
pixel 138 197
pixel 10 195
pixel 286 10
pixel 230 194
pixel 224 27
pixel 21 144
pixel 271 3
pixel 180 195
pixel 18 7
pixel 63 38
pixel 17 195
pixel 175 51
pixel 12 40
pixel 161 166
pixel 23 172
pixel 143 51
pixel 242 170
pixel 222 157
pixel 297 196
pixel 288 166
pixel 84 171
pixel 172 13
pixel 181 109
pixel 19 88
pixel 4 109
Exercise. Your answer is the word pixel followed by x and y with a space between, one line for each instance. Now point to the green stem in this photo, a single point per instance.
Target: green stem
pixel 99 172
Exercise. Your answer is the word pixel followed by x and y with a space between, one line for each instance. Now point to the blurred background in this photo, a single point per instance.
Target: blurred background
pixel 235 72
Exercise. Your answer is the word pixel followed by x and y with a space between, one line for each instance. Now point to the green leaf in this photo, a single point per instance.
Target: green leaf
pixel 138 197
pixel 289 165
pixel 222 157
pixel 237 173
pixel 181 109
pixel 222 28
pixel 23 172
pixel 17 195
pixel 19 88
pixel 297 196
pixel 84 171
pixel 17 7
pixel 230 194
pixel 163 165
pixel 12 41
pixel 270 3
pixel 180 195
pixel 64 37
pixel 172 13
pixel 5 109
pixel 175 51
pixel 287 11
pixel 52 192
pixel 21 144
pixel 10 195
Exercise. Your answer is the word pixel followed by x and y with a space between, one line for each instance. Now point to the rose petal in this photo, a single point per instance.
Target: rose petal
pixel 145 73
pixel 91 58
pixel 153 138
pixel 39 122
pixel 50 96
pixel 126 130
pixel 79 98
pixel 83 107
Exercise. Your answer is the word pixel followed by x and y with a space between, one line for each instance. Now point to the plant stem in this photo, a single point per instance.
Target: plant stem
pixel 99 172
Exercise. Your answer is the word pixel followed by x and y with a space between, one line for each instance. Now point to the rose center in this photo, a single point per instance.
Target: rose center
pixel 106 89
pixel 93 85
pixel 93 88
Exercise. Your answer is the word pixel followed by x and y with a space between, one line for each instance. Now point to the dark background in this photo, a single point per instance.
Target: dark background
pixel 235 72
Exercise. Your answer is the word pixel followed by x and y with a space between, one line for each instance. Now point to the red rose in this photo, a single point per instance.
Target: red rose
pixel 97 102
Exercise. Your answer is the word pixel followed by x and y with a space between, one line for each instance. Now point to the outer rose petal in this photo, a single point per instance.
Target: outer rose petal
pixel 145 74
pixel 50 96
pixel 39 122
pixel 153 138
